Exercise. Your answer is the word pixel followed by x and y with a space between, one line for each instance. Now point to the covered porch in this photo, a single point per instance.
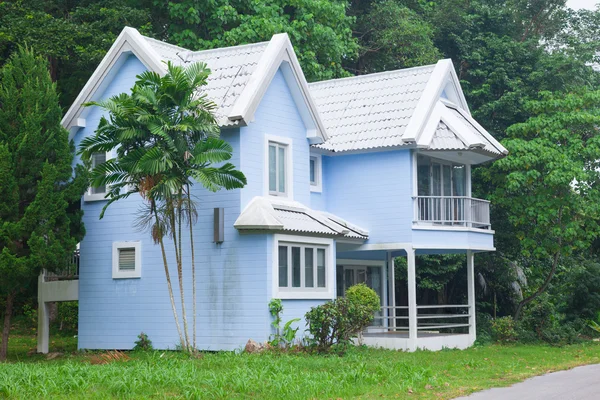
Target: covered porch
pixel 403 323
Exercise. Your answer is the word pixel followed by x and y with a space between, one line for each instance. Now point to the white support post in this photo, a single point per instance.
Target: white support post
pixel 471 294
pixel 43 333
pixel 412 300
pixel 391 290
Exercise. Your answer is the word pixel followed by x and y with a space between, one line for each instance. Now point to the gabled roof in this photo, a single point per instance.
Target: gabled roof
pixel 400 108
pixel 240 77
pixel 266 214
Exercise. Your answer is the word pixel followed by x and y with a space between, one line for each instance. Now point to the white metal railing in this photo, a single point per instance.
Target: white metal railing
pixel 452 211
pixel 388 318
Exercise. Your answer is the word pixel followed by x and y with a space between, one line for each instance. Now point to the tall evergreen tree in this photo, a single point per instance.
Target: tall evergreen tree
pixel 40 224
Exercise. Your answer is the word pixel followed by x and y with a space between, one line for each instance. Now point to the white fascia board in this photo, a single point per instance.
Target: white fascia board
pixel 279 53
pixel 428 100
pixel 461 130
pixel 129 40
pixel 456 83
pixel 431 126
pixel 484 132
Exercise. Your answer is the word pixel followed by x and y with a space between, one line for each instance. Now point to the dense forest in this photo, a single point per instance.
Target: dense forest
pixel 527 69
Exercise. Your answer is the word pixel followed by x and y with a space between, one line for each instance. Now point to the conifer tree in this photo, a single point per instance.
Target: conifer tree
pixel 40 221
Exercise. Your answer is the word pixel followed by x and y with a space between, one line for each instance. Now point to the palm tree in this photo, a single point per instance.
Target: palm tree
pixel 166 139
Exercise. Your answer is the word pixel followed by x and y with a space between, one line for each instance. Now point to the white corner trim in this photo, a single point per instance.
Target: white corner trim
pixel 306 294
pixel 279 53
pixel 137 273
pixel 318 187
pixel 129 40
pixel 289 166
pixel 428 100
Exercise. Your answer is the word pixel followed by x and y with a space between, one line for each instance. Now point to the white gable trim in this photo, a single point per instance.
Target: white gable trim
pixel 129 41
pixel 443 75
pixel 280 54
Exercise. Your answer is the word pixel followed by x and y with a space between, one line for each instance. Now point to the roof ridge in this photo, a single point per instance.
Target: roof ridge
pixel 220 49
pixel 358 77
pixel 163 43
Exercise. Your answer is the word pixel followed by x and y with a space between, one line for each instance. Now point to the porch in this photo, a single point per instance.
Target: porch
pixel 402 324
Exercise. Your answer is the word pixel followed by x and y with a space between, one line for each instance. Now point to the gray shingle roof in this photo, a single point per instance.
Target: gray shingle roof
pixel 231 69
pixel 369 111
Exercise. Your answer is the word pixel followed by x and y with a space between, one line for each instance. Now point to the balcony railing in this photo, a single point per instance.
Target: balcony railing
pixel 68 272
pixel 452 211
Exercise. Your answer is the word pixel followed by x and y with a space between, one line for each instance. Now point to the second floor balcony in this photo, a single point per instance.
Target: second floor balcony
pixel 444 196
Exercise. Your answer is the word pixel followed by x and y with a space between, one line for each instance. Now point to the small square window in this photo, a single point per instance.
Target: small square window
pixel 127 260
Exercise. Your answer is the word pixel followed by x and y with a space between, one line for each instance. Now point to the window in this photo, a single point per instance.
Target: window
pixel 98 192
pixel 315 173
pixel 277 169
pixel 302 269
pixel 127 262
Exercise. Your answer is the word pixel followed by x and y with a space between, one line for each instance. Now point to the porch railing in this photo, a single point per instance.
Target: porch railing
pixel 68 272
pixel 452 211
pixel 428 317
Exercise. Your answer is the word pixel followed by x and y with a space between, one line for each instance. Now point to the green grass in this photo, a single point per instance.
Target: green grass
pixel 362 372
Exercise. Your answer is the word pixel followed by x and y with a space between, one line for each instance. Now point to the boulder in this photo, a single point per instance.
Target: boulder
pixel 254 347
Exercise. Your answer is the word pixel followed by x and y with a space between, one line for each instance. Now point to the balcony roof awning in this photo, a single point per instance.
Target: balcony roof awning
pixel 266 214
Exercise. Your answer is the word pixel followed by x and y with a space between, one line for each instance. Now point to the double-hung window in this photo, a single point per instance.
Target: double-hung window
pixel 302 267
pixel 278 154
pixel 97 192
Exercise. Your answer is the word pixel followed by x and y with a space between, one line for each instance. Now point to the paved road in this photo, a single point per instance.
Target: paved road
pixel 575 384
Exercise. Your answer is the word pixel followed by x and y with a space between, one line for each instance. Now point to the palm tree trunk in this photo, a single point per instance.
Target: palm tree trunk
pixel 178 256
pixel 6 328
pixel 190 221
pixel 169 285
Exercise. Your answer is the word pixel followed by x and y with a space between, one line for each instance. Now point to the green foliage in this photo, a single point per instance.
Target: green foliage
pixel 362 295
pixel 68 316
pixel 503 329
pixel 283 337
pixel 582 290
pixel 39 208
pixel 143 343
pixel 336 323
pixel 392 36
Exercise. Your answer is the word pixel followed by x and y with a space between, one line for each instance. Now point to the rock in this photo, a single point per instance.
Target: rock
pixel 254 347
pixel 52 356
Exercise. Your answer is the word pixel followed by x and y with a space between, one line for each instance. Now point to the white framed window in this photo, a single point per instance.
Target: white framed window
pixel 302 267
pixel 127 260
pixel 278 166
pixel 315 175
pixel 99 192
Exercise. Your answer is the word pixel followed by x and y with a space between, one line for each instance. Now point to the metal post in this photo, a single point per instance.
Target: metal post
pixel 391 290
pixel 471 294
pixel 412 300
pixel 43 333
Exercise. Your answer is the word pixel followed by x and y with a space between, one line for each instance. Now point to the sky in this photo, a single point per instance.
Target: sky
pixel 577 4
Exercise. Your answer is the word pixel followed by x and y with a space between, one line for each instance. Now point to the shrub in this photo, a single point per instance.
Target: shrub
pixel 503 329
pixel 68 316
pixel 143 343
pixel 337 322
pixel 282 337
pixel 484 328
pixel 363 295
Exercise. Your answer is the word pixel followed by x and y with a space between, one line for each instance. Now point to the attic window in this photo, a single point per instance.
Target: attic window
pixel 126 260
pixel 278 170
pixel 315 175
pixel 97 192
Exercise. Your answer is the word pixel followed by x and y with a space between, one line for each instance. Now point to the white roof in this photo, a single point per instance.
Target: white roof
pixel 400 108
pixel 231 69
pixel 369 111
pixel 239 78
pixel 264 213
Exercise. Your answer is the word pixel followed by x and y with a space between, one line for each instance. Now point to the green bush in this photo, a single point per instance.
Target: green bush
pixel 336 323
pixel 286 336
pixel 503 329
pixel 484 328
pixel 143 343
pixel 68 316
pixel 363 295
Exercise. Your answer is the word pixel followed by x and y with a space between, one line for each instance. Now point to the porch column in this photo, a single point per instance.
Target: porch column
pixel 391 312
pixel 43 333
pixel 412 300
pixel 471 293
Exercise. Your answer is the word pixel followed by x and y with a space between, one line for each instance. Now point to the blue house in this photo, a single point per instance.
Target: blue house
pixel 343 176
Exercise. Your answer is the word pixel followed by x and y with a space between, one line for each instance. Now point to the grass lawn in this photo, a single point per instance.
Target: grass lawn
pixel 364 373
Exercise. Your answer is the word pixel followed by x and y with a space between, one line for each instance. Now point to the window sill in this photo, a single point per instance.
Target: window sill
pixel 95 197
pixel 304 295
